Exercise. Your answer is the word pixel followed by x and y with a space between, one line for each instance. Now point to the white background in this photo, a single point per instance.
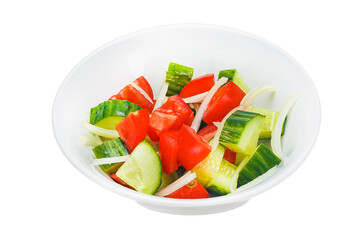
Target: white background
pixel 44 197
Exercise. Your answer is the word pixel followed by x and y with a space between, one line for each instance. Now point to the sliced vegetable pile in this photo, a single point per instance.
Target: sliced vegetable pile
pixel 200 138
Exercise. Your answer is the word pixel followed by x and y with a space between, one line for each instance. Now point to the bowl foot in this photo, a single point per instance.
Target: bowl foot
pixel 193 210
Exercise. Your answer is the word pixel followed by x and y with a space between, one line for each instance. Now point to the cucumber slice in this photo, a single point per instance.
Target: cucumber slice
pixel 269 122
pixel 108 114
pixel 261 161
pixel 112 148
pixel 177 76
pixel 241 131
pixel 207 169
pixel 222 182
pixel 233 75
pixel 142 170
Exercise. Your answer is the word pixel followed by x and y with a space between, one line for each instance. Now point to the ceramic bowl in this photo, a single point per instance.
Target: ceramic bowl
pixel 206 48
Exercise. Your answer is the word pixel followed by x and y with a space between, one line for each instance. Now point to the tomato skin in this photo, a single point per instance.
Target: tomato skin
pixel 168 149
pixel 118 180
pixel 208 132
pixel 198 85
pixel 230 156
pixel 133 95
pixel 133 128
pixel 192 148
pixel 170 116
pixel 225 99
pixel 192 190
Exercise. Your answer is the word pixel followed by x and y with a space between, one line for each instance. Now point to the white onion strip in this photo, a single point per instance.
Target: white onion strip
pixel 162 95
pixel 196 98
pixel 254 94
pixel 142 92
pixel 110 160
pixel 276 133
pixel 247 100
pixel 179 183
pixel 101 131
pixel 199 115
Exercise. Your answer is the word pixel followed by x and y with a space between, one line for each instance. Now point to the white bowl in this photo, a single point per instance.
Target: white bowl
pixel 207 49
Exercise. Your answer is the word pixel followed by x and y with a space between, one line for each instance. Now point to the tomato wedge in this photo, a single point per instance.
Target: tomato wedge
pixel 133 128
pixel 170 116
pixel 133 95
pixel 230 156
pixel 118 180
pixel 192 148
pixel 198 85
pixel 208 132
pixel 192 190
pixel 225 99
pixel 168 149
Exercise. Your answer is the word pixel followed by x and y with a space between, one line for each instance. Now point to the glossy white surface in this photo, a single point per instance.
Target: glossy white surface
pixel 206 49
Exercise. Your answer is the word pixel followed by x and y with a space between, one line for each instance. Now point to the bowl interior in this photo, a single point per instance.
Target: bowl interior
pixel 206 49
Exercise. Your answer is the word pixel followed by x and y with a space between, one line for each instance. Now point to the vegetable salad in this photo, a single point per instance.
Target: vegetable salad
pixel 198 138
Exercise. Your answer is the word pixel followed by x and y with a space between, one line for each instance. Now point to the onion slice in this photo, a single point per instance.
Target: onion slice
pixel 179 183
pixel 254 94
pixel 142 92
pixel 199 115
pixel 162 95
pixel 276 133
pixel 112 134
pixel 196 98
pixel 110 160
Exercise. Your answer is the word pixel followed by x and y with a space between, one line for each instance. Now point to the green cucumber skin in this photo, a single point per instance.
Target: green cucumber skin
pixel 262 160
pixel 235 125
pixel 177 77
pixel 232 133
pixel 111 148
pixel 233 75
pixel 111 108
pixel 230 73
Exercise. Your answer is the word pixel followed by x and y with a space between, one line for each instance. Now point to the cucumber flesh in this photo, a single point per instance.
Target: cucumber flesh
pixel 222 182
pixel 233 75
pixel 241 131
pixel 142 170
pixel 261 161
pixel 177 77
pixel 111 148
pixel 207 169
pixel 109 113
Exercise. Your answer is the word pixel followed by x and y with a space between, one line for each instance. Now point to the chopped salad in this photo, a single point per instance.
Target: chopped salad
pixel 198 138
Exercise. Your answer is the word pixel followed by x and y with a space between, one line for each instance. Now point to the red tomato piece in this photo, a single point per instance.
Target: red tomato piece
pixel 192 148
pixel 168 148
pixel 170 116
pixel 133 95
pixel 118 180
pixel 230 156
pixel 225 99
pixel 198 85
pixel 160 122
pixel 133 128
pixel 208 132
pixel 192 190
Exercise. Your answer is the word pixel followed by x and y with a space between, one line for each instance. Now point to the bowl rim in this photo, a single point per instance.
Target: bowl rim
pixel 169 202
